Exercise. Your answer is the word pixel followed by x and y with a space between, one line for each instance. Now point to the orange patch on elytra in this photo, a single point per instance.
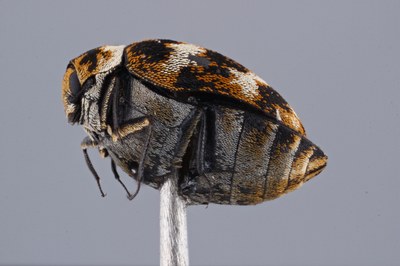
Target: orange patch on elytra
pixel 289 118
pixel 85 70
pixel 187 68
pixel 65 93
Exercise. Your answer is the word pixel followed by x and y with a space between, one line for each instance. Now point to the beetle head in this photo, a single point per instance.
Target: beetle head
pixel 80 73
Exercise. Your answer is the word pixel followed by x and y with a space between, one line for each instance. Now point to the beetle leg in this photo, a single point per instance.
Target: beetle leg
pixel 200 153
pixel 141 164
pixel 88 143
pixel 200 146
pixel 115 121
pixel 193 157
pixel 91 168
pixel 116 175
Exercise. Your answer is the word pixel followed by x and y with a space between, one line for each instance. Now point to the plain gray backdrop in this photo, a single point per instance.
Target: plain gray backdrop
pixel 337 63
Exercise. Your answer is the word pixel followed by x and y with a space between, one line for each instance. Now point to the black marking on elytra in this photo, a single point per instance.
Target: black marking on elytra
pixel 271 97
pixel 152 51
pixel 188 79
pixel 224 61
pixel 201 61
pixel 90 58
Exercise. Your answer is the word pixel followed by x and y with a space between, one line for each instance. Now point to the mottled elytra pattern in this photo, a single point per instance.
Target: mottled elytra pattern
pixel 158 107
pixel 181 68
pixel 97 60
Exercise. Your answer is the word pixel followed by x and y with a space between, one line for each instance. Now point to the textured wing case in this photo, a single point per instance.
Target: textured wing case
pixel 186 68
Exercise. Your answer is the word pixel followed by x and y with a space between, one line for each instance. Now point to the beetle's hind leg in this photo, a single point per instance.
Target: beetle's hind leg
pixel 193 159
pixel 86 143
pixel 200 150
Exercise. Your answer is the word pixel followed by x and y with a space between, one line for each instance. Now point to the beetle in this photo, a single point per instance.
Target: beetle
pixel 162 107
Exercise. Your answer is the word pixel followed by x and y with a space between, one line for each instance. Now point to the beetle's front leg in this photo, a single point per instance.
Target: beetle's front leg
pixel 86 143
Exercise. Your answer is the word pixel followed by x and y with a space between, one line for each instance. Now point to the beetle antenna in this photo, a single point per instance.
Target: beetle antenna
pixel 116 175
pixel 91 168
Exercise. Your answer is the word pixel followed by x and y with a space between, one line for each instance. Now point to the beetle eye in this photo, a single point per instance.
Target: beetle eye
pixel 74 85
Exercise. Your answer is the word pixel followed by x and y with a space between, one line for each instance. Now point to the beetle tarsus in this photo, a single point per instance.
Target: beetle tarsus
pixel 116 175
pixel 132 196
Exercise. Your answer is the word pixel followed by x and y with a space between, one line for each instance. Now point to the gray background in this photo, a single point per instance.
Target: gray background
pixel 336 63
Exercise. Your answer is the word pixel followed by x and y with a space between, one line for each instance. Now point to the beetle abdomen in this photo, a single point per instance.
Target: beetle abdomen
pixel 250 159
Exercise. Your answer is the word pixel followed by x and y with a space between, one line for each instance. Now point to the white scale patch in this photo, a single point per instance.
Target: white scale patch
pixel 248 81
pixel 70 108
pixel 180 57
pixel 117 51
pixel 90 109
pixel 278 115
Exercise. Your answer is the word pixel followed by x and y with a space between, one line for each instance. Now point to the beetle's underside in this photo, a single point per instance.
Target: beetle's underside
pixel 222 155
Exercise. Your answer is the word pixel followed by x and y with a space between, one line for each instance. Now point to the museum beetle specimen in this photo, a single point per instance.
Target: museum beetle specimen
pixel 159 106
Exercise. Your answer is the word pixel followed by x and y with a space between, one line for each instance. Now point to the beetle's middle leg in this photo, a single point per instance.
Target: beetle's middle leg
pixel 200 150
pixel 192 160
pixel 90 143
